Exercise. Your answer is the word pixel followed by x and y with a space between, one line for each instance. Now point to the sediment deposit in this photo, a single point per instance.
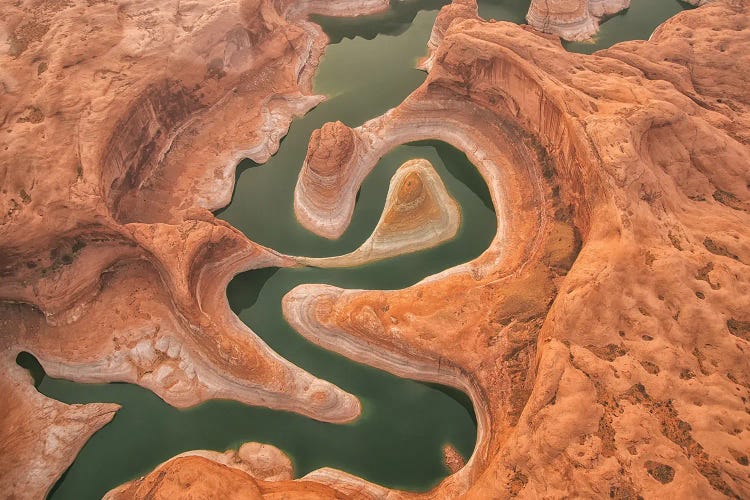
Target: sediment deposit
pixel 419 213
pixel 603 337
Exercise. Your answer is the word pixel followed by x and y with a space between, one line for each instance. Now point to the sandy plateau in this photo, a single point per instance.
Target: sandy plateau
pixel 603 337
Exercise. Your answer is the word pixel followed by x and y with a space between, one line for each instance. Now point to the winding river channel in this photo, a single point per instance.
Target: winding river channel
pixel 397 442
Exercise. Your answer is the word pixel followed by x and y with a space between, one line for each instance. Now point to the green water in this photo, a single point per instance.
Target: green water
pixel 398 440
pixel 635 23
pixel 513 11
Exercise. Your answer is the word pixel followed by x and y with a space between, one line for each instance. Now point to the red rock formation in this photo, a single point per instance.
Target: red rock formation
pixel 603 337
pixel 121 127
pixel 198 477
pixel 261 461
pixel 452 459
pixel 329 147
pixel 41 436
pixel 619 369
pixel 419 213
pixel 572 19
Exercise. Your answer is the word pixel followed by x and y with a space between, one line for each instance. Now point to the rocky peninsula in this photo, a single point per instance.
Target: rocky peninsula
pixel 419 213
pixel 572 20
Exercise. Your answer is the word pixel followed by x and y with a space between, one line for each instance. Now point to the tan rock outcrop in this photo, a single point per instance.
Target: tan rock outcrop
pixel 419 213
pixel 452 458
pixel 456 10
pixel 40 436
pixel 572 19
pixel 260 461
pixel 603 336
pixel 330 147
pixel 201 477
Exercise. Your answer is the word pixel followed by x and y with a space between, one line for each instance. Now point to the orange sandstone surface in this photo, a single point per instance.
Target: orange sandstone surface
pixel 577 19
pixel 603 337
pixel 198 477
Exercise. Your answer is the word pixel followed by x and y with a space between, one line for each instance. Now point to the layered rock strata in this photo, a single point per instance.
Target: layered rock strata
pixel 572 19
pixel 121 128
pixel 41 436
pixel 456 10
pixel 262 462
pixel 419 213
pixel 201 477
pixel 316 190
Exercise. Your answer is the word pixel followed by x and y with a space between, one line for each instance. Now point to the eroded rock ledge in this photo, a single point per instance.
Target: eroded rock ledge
pixel 572 19
pixel 195 476
pixel 577 20
pixel 262 464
